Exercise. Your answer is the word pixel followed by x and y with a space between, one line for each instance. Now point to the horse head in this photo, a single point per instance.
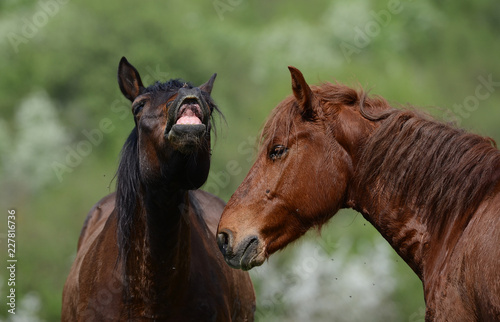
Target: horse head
pixel 173 122
pixel 301 174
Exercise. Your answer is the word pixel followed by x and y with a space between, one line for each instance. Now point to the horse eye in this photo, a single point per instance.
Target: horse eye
pixel 137 108
pixel 277 152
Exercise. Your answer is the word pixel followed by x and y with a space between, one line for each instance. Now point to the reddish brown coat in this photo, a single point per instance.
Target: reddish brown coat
pixel 432 190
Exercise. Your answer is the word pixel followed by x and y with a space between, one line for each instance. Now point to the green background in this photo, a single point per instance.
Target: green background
pixel 58 62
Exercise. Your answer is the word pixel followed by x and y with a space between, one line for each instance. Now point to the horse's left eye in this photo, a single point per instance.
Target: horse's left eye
pixel 137 108
pixel 277 152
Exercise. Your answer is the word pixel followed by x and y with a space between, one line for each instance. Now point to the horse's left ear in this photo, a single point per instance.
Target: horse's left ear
pixel 303 93
pixel 129 80
pixel 207 87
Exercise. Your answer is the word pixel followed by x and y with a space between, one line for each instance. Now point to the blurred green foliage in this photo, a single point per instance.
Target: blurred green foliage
pixel 58 61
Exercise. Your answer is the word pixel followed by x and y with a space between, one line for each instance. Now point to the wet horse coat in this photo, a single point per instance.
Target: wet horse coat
pixel 432 191
pixel 148 251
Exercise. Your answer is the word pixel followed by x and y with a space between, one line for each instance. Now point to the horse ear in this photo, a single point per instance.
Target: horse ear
pixel 129 80
pixel 302 92
pixel 207 87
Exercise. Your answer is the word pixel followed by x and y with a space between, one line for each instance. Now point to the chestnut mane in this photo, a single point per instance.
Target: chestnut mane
pixel 442 171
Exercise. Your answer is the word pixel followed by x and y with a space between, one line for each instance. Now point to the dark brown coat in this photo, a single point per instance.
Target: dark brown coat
pixel 148 252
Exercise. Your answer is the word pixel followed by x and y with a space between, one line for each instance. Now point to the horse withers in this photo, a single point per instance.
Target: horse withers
pixel 149 251
pixel 432 190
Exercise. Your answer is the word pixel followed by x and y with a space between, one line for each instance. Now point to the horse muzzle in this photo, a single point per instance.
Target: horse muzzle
pixel 188 120
pixel 246 254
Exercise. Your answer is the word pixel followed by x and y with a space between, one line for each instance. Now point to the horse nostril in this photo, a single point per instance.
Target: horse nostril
pixel 224 241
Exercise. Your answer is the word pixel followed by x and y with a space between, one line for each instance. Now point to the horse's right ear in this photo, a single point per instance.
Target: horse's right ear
pixel 207 87
pixel 129 80
pixel 303 93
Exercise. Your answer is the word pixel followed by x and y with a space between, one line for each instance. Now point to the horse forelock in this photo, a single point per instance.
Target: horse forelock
pixel 171 86
pixel 442 172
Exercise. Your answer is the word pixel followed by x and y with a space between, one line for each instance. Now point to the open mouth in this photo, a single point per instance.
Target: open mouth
pixel 188 123
pixel 189 112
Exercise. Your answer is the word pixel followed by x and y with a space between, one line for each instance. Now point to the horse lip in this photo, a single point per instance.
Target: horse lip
pixel 250 252
pixel 246 256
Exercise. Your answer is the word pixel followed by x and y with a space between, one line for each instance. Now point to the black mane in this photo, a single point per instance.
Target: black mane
pixel 128 184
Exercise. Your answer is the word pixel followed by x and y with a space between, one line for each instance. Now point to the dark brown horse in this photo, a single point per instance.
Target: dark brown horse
pixel 433 191
pixel 148 251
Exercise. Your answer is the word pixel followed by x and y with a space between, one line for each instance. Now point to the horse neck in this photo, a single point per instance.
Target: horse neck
pixel 400 226
pixel 410 208
pixel 159 260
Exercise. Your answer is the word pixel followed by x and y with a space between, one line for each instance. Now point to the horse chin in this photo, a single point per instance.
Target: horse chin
pixel 187 138
pixel 252 262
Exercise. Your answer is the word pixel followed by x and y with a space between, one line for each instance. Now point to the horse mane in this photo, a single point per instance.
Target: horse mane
pixel 128 184
pixel 441 171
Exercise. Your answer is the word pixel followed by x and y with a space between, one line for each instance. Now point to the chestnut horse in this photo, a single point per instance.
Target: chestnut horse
pixel 432 191
pixel 149 251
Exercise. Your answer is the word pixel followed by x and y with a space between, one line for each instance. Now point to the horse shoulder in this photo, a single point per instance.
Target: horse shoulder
pixel 471 277
pixel 100 281
pixel 86 274
pixel 481 263
pixel 209 207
